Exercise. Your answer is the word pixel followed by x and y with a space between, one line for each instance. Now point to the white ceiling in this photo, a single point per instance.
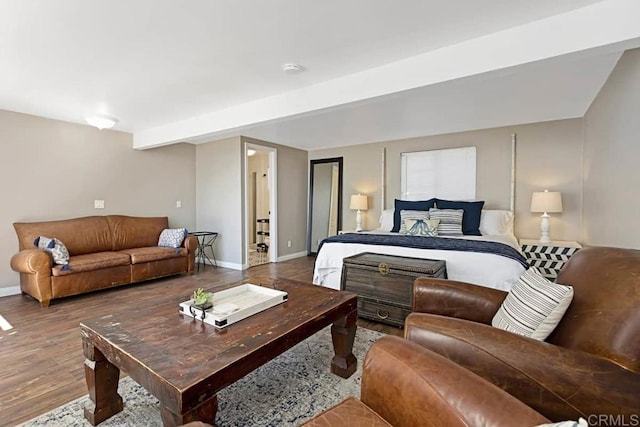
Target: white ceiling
pixel 199 70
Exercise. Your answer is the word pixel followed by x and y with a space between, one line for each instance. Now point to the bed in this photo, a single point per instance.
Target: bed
pixel 496 270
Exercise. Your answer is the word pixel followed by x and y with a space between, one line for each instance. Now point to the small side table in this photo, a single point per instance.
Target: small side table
pixel 548 258
pixel 205 240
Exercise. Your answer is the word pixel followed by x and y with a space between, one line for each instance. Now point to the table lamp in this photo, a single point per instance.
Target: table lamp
pixel 359 202
pixel 547 202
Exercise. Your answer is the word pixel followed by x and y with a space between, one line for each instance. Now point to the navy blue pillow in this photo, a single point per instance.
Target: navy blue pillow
pixel 471 216
pixel 409 205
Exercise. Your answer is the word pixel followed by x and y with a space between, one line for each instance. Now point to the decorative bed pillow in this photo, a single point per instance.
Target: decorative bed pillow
pixel 450 221
pixel 409 205
pixel 411 215
pixel 172 237
pixel 386 220
pixel 534 306
pixel 418 227
pixel 496 222
pixel 471 218
pixel 56 248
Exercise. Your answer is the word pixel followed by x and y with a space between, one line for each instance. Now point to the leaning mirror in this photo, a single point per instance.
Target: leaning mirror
pixel 325 201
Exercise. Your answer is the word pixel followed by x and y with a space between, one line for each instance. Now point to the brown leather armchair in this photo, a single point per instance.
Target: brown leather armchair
pixel 588 367
pixel 404 384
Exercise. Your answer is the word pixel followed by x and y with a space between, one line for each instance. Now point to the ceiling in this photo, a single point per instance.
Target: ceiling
pixel 200 70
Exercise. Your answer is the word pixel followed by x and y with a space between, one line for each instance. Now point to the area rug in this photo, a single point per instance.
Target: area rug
pixel 288 390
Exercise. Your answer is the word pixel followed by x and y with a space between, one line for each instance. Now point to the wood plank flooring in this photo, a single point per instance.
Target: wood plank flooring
pixel 41 361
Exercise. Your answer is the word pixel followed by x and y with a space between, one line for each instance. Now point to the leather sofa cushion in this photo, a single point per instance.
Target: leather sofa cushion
pixel 90 262
pixel 350 412
pixel 154 253
pixel 135 232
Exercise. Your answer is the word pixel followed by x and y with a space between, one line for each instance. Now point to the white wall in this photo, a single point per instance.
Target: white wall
pixel 612 159
pixel 51 170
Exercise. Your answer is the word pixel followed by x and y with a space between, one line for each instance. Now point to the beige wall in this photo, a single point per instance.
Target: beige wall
pixel 220 185
pixel 51 169
pixel 549 155
pixel 292 197
pixel 219 197
pixel 612 159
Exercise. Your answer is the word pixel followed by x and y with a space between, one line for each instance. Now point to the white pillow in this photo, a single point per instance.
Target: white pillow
pixel 534 306
pixel 496 222
pixel 386 219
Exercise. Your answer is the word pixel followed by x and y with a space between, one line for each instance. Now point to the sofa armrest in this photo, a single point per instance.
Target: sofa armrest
pixel 191 243
pixel 34 266
pixel 410 386
pixel 560 383
pixel 456 299
pixel 31 261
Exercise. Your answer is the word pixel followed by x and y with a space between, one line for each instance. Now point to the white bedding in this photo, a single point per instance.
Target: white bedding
pixel 484 269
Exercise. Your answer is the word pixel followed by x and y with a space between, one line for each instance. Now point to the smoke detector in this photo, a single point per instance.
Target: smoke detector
pixel 292 68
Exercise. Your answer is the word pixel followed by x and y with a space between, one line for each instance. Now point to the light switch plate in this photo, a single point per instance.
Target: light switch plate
pixel 178 204
pixel 98 204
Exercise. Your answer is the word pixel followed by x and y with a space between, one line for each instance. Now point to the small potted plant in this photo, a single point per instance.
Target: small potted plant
pixel 202 299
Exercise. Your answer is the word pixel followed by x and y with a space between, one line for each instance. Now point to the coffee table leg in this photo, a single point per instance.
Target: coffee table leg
pixel 102 382
pixel 343 332
pixel 205 412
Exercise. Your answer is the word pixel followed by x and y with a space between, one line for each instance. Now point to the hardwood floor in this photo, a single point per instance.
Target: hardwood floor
pixel 41 361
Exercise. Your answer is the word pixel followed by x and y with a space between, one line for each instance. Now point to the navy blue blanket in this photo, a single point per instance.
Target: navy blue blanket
pixel 421 242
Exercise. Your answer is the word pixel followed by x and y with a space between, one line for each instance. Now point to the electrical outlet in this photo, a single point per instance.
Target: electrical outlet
pixel 288 243
pixel 98 204
pixel 178 204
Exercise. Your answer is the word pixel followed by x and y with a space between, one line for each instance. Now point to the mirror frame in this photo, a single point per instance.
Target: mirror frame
pixel 312 164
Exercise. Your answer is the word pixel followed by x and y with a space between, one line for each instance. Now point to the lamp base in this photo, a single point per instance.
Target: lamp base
pixel 359 221
pixel 544 228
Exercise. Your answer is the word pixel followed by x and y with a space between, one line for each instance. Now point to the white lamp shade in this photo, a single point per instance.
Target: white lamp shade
pixel 358 201
pixel 546 201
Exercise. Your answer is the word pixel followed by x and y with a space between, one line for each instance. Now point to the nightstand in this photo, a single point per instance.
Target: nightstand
pixel 548 258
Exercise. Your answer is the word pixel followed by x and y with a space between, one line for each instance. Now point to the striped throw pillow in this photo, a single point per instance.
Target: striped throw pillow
pixel 534 306
pixel 406 215
pixel 450 221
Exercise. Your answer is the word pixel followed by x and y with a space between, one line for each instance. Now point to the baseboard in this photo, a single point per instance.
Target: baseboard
pixel 232 265
pixel 292 256
pixel 10 290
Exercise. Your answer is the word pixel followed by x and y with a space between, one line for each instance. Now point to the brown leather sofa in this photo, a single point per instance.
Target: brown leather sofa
pixel 403 384
pixel 105 251
pixel 588 367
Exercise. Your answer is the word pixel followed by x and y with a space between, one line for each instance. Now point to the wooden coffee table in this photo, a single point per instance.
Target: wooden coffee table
pixel 184 362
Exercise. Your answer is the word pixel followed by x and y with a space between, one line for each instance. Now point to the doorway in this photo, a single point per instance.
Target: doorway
pixel 260 202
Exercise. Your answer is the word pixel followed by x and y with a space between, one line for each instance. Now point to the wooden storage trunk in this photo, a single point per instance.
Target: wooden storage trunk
pixel 384 283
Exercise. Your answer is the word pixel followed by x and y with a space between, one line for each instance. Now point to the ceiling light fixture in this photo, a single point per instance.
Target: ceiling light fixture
pixel 101 121
pixel 251 152
pixel 291 68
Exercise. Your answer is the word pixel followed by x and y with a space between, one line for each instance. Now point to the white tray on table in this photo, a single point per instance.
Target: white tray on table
pixel 235 304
